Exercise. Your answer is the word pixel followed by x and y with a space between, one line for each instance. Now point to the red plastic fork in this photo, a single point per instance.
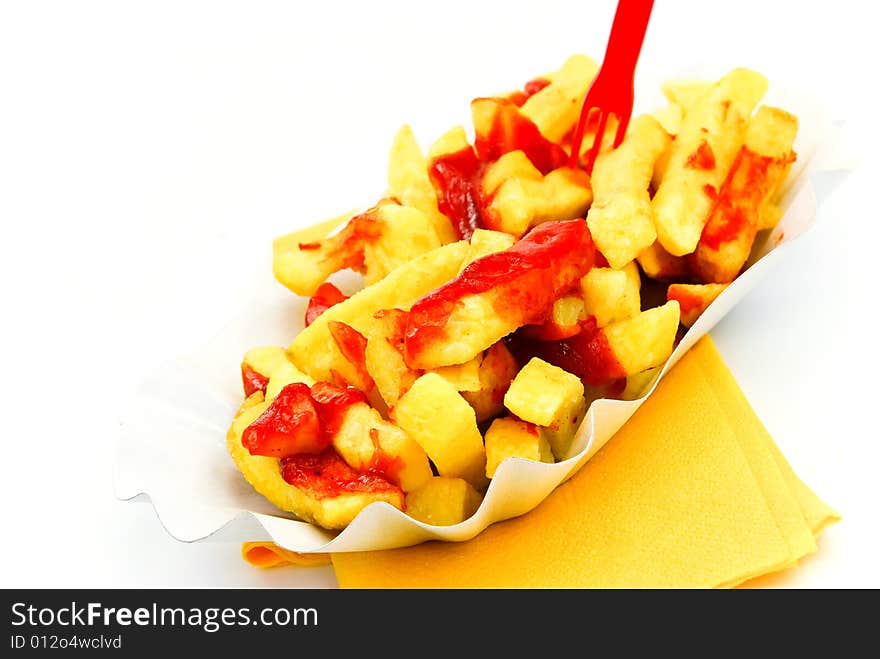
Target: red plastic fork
pixel 612 90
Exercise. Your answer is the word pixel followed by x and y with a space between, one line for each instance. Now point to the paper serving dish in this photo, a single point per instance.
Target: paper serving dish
pixel 172 442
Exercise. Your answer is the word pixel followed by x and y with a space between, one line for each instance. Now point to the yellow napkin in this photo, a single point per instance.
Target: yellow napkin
pixel 690 493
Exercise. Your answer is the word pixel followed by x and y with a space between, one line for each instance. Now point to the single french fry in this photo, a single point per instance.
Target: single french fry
pixel 408 181
pixel 555 109
pixel 757 174
pixel 621 218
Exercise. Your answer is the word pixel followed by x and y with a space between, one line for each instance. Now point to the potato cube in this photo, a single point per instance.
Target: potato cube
pixel 567 310
pixel 509 437
pixel 637 384
pixel 646 340
pixel 611 295
pixel 542 393
pixel 435 415
pixel 561 432
pixel 693 299
pixel 443 501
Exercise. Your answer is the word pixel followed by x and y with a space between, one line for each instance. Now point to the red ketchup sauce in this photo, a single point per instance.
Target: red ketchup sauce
pixel 457 177
pixel 325 475
pixel 325 297
pixel 532 87
pixel 252 381
pixel 702 158
pixel 288 426
pixel 299 427
pixel 688 302
pixel 736 204
pixel 526 279
pixel 353 346
pixel 510 131
pixel 586 354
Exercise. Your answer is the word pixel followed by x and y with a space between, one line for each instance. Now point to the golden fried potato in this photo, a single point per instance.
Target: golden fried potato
pixel 646 340
pixel 521 203
pixel 497 369
pixel 610 295
pixel 621 220
pixel 486 241
pixel 435 415
pixel 757 174
pixel 659 264
pixel 405 233
pixel 693 299
pixel 443 501
pixel 383 355
pixel 711 134
pixel 555 109
pixel 464 377
pixel 314 351
pixel 509 437
pixel 409 182
pixel 308 503
pixel 366 440
pixel 550 397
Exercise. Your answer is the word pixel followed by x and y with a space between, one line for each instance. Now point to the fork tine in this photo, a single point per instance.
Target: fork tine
pixel 622 124
pixel 597 142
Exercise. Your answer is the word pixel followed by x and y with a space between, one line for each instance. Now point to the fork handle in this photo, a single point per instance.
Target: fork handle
pixel 627 35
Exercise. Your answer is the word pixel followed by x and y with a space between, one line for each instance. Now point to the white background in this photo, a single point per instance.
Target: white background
pixel 149 152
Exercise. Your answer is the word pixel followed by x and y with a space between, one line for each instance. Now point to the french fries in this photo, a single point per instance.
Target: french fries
pixel 712 132
pixel 621 219
pixel 505 289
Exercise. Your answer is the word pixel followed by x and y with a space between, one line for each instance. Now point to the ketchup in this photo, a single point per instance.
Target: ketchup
pixel 586 354
pixel 326 475
pixel 252 381
pixel 353 346
pixel 288 426
pixel 325 297
pixel 457 177
pixel 510 130
pixel 527 278
pixel 736 204
pixel 702 158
